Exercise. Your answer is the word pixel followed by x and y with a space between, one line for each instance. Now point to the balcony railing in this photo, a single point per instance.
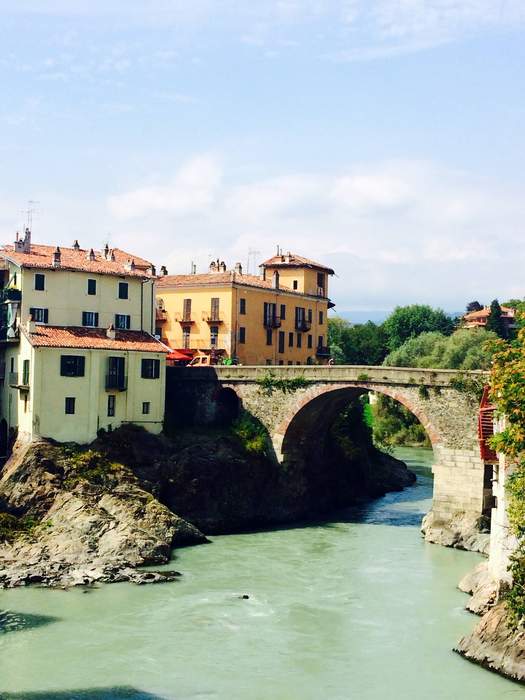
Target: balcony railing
pixel 184 318
pixel 212 317
pixel 13 378
pixel 272 321
pixel 10 294
pixel 115 382
pixel 321 292
pixel 301 324
pixel 322 351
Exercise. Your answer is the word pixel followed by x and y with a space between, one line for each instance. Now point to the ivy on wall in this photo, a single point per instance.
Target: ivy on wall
pixel 270 383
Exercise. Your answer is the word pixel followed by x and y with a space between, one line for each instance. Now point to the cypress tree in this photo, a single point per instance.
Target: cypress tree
pixel 495 321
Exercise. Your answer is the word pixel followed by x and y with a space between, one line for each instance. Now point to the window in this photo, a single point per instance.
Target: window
pixel 150 369
pixel 70 405
pixel 290 340
pixel 310 341
pixel 122 290
pixel 214 312
pixel 320 280
pixel 214 335
pixel 270 315
pixel 268 362
pixel 145 407
pixel 320 341
pixel 12 365
pixel 25 373
pixel 40 281
pixel 111 405
pixel 186 310
pixel 26 402
pixel 281 362
pixel 295 284
pixel 281 341
pixel 92 287
pixel 242 306
pixel 283 312
pixel 39 315
pixel 72 365
pixel 90 319
pixel 289 362
pixel 122 322
pixel 299 340
pixel 269 336
pixel 186 338
pixel 310 316
pixel 242 334
pixel 321 318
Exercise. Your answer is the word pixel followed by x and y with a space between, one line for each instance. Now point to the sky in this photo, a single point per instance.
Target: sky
pixel 384 138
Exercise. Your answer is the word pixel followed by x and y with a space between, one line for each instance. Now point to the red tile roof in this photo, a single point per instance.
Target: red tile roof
pixel 93 339
pixel 506 311
pixel 41 257
pixel 293 260
pixel 220 279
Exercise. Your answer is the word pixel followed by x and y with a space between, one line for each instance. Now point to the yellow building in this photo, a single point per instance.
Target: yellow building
pixel 279 317
pixel 77 343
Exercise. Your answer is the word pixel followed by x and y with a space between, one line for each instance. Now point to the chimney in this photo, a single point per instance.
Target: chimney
pixel 57 257
pixel 23 245
pixel 110 332
pixel 31 325
pixel 213 266
pixel 152 271
pixel 106 251
pixel 130 265
pixel 238 268
pixel 76 245
pixel 112 256
pixel 91 255
pixel 288 257
pixel 222 266
pixel 163 270
pixel 275 280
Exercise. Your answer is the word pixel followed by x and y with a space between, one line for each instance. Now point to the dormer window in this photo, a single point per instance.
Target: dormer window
pixel 40 281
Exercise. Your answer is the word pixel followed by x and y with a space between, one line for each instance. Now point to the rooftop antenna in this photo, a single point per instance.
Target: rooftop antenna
pixel 29 213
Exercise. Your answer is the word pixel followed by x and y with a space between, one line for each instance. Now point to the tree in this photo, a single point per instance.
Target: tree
pixel 474 306
pixel 362 344
pixel 494 321
pixel 409 321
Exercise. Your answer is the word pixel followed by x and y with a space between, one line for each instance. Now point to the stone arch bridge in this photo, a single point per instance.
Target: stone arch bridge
pixel 298 414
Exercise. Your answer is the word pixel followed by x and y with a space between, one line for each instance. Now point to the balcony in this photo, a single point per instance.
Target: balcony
pixel 272 321
pixel 321 292
pixel 16 384
pixel 184 319
pixel 302 325
pixel 8 334
pixel 10 294
pixel 322 351
pixel 115 382
pixel 212 318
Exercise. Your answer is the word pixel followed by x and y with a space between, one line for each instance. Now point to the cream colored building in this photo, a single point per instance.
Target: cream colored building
pixel 275 318
pixel 78 350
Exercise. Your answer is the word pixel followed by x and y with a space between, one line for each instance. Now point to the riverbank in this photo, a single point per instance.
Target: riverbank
pixel 78 515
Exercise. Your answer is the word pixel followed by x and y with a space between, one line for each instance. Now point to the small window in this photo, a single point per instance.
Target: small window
pixel 150 369
pixel 12 365
pixel 295 284
pixel 146 407
pixel 269 336
pixel 111 405
pixel 289 362
pixel 321 318
pixel 122 322
pixel 299 340
pixel 122 290
pixel 242 334
pixel 39 315
pixel 26 402
pixel 282 337
pixel 186 338
pixel 92 287
pixel 310 341
pixel 40 282
pixel 290 340
pixel 283 312
pixel 72 365
pixel 90 319
pixel 242 306
pixel 310 316
pixel 268 362
pixel 214 336
pixel 320 341
pixel 25 373
pixel 70 405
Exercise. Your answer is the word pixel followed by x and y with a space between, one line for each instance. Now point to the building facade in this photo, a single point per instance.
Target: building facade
pixel 478 319
pixel 77 343
pixel 275 318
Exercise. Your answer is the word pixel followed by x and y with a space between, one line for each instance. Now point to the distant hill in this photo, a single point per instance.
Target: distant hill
pixel 378 315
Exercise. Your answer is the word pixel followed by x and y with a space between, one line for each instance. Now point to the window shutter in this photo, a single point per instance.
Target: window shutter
pixel 32 313
pixel 46 315
pixel 96 319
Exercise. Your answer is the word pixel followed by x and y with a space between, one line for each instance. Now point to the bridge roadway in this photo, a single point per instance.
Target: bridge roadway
pixel 295 419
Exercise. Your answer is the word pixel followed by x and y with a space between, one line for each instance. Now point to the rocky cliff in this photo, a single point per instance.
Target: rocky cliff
pixel 75 515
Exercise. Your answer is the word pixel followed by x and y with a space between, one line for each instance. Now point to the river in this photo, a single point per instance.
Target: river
pixel 358 608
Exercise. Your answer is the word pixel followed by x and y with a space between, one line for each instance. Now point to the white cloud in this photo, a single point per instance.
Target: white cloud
pixel 395 232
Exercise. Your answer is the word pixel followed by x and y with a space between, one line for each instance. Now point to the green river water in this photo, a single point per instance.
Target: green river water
pixel 356 608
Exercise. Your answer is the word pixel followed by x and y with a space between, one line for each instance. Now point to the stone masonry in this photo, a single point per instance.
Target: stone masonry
pixel 298 418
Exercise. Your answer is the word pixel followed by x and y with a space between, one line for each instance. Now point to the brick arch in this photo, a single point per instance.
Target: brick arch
pixel 282 430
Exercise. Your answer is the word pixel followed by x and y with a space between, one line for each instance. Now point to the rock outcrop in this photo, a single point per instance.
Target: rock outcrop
pixel 461 531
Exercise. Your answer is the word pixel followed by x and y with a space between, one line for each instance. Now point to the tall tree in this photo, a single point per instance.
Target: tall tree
pixel 495 321
pixel 407 322
pixel 474 306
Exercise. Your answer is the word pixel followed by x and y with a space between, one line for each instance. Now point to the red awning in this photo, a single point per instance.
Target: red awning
pixel 176 355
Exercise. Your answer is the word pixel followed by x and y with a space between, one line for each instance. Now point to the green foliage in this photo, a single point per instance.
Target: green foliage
pixel 363 377
pixel 360 344
pixel 410 321
pixel 507 384
pixel 465 349
pixel 12 527
pixel 423 392
pixel 474 306
pixel 90 466
pixel 393 424
pixel 270 383
pixel 251 433
pixel 471 386
pixel 494 321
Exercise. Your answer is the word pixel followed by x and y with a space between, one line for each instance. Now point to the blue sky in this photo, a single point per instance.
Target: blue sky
pixel 383 137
